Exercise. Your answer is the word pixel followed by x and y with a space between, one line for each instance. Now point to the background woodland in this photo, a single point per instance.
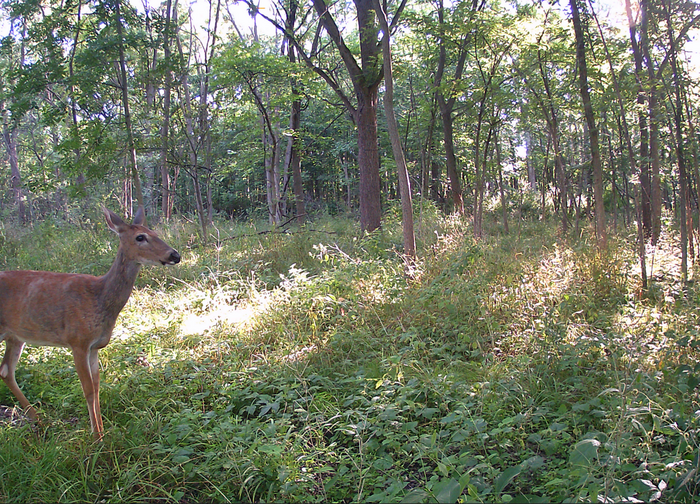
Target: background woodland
pixel 205 109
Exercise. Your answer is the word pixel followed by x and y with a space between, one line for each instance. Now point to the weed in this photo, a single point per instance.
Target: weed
pixel 306 367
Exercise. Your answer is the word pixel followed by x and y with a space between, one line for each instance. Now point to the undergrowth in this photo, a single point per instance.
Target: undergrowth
pixel 316 365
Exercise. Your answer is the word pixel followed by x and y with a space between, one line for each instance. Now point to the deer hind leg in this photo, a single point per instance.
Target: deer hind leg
pixel 87 366
pixel 13 350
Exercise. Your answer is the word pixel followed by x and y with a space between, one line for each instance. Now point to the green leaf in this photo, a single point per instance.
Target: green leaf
pixel 584 453
pixel 535 462
pixel 504 479
pixel 450 491
pixel 415 496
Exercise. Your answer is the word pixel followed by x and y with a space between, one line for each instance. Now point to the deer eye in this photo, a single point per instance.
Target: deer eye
pixel 140 238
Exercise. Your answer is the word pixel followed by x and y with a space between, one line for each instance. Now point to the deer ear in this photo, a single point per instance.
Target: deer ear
pixel 114 222
pixel 140 217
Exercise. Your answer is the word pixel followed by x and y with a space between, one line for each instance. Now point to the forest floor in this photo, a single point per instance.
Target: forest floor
pixel 317 365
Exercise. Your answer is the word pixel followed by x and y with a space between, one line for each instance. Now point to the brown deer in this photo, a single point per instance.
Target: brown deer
pixel 74 310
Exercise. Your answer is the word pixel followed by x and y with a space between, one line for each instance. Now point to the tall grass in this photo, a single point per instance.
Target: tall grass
pixel 309 366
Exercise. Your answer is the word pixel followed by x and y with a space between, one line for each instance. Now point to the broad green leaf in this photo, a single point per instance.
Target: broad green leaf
pixel 504 479
pixel 415 496
pixel 450 491
pixel 584 453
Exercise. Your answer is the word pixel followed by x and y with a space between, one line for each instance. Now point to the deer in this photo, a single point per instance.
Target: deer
pixel 74 310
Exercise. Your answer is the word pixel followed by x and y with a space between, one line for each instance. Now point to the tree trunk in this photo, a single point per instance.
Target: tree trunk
pixel 504 202
pixel 644 192
pixel 293 158
pixel 531 174
pixel 644 176
pixel 166 198
pixel 294 162
pixel 74 127
pixel 548 109
pixel 365 79
pixel 450 159
pixel 680 151
pixel 653 124
pixel 131 144
pixel 10 137
pixel 368 159
pixel 696 163
pixel 409 239
pixel 446 103
pixel 601 231
pixel 192 152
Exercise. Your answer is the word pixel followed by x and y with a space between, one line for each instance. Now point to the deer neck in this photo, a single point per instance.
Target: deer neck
pixel 118 283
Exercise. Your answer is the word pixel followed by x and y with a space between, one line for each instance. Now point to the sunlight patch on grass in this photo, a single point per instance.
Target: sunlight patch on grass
pixel 195 323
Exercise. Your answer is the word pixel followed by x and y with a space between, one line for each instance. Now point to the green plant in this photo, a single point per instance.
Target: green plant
pixel 309 368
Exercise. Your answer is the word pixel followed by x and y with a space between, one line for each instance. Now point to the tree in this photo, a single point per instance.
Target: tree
pixel 131 145
pixel 445 88
pixel 293 155
pixel 196 117
pixel 601 231
pixel 537 66
pixel 167 183
pixel 409 238
pixel 365 76
pixel 13 59
pixel 490 48
pixel 679 140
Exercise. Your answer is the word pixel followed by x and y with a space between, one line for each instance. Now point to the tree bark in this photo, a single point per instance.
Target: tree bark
pixel 601 232
pixel 504 202
pixel 653 124
pixel 293 158
pixel 365 79
pixel 626 137
pixel 680 151
pixel 10 137
pixel 131 144
pixel 166 205
pixel 446 102
pixel 644 175
pixel 409 238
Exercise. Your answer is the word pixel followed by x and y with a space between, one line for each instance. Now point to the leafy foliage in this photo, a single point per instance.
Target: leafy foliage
pixel 308 367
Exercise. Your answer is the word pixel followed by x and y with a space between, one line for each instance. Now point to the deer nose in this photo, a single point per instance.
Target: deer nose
pixel 174 257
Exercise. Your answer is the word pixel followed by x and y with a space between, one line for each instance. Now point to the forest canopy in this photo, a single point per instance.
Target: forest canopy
pixel 582 110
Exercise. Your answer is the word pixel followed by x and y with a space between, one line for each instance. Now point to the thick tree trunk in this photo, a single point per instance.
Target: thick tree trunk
pixel 368 159
pixel 366 78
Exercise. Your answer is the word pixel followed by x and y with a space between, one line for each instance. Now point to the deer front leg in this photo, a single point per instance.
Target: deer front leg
pixel 13 350
pixel 87 366
pixel 95 373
